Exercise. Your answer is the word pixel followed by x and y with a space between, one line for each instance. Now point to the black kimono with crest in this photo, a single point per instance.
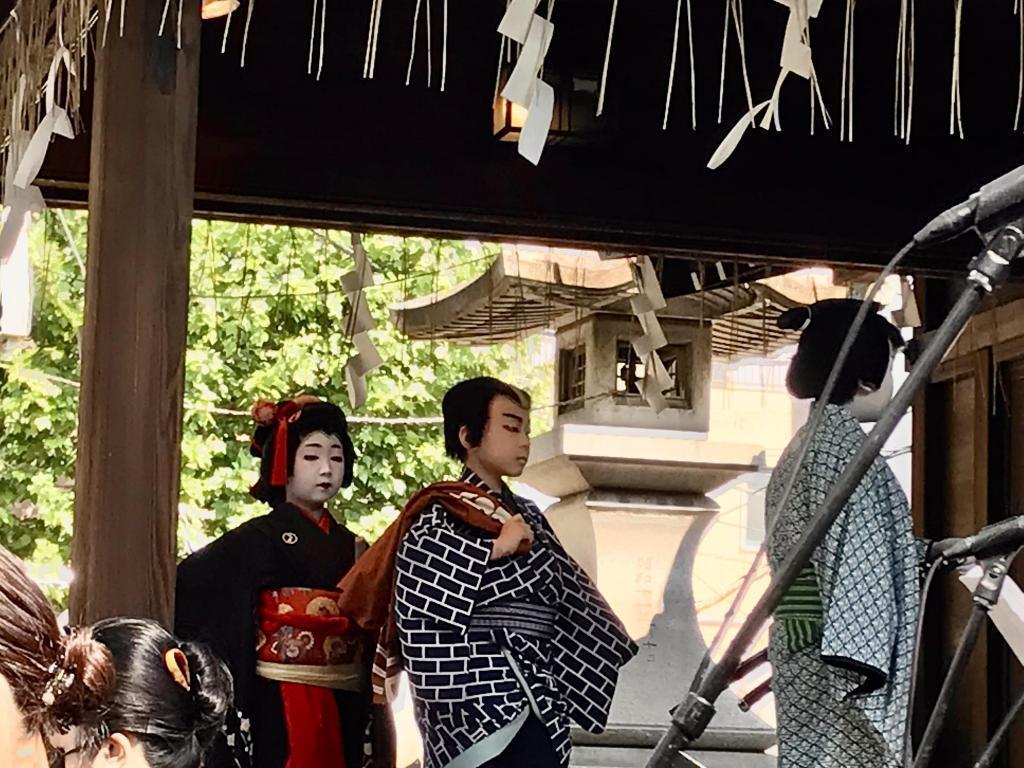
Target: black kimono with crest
pixel 218 591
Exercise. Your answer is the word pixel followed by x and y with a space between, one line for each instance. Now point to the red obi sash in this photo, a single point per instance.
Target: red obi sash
pixel 303 643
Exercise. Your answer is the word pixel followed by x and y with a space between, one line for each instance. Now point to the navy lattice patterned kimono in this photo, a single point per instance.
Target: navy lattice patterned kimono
pixel 842 658
pixel 473 674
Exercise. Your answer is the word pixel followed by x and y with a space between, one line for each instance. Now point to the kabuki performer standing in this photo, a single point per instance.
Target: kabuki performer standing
pixel 503 636
pixel 264 597
pixel 842 638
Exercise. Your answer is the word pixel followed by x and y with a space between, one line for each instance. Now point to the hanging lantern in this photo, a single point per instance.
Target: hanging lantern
pixel 573 120
pixel 214 9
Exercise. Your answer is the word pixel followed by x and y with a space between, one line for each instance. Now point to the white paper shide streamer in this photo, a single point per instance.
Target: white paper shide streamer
pixel 645 304
pixel 358 325
pixel 22 198
pixel 525 86
pixel 795 59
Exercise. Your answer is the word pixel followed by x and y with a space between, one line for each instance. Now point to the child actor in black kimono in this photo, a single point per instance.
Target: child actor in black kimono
pixel 263 596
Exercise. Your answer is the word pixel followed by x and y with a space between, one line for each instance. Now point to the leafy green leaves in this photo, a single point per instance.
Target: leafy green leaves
pixel 266 320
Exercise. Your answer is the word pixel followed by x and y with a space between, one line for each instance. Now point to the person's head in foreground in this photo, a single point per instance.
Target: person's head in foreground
pixel 123 693
pixel 487 427
pixel 167 703
pixel 32 649
pixel 865 381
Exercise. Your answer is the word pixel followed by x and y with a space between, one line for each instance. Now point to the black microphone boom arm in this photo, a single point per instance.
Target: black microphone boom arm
pixel 986 272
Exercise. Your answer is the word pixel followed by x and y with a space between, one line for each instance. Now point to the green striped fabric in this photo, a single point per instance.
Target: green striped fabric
pixel 800 611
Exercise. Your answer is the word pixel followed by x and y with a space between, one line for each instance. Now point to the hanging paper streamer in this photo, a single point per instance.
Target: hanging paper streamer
pixel 54 122
pixel 644 304
pixel 534 135
pixel 733 13
pixel 650 297
pixel 322 18
pixel 517 19
pixel 20 203
pixel 1019 12
pixel 26 155
pixel 795 58
pixel 908 316
pixel 672 66
pixel 358 325
pixel 523 80
pixel 903 109
pixel 607 57
pixel 524 86
pixel 245 34
pixel 846 95
pixel 16 285
pixel 956 123
pixel 370 59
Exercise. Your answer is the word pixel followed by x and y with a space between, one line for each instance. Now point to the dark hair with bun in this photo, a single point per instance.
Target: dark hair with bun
pixel 174 724
pixel 54 679
pixel 313 416
pixel 824 326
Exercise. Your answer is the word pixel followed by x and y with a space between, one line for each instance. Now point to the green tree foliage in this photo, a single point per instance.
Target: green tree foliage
pixel 267 320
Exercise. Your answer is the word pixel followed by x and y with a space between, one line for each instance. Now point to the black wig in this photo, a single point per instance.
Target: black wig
pixel 467 405
pixel 825 325
pixel 309 417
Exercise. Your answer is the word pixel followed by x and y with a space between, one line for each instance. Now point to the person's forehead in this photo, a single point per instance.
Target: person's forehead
pixel 503 405
pixel 322 438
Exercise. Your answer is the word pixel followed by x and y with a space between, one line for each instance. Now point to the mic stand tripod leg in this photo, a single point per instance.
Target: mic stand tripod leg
pixel 997 739
pixel 986 595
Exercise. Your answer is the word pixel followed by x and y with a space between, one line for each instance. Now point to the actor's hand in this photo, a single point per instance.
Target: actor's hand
pixel 514 531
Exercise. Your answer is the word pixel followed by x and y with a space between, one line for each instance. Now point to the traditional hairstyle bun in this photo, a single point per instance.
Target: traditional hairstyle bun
pixel 81 687
pixel 56 680
pixel 212 688
pixel 824 325
pixel 171 696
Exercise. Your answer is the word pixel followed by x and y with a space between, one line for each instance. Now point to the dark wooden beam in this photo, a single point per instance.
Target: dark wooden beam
pixel 133 340
pixel 278 145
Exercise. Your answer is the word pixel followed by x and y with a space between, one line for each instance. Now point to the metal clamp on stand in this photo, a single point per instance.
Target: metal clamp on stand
pixel 986 595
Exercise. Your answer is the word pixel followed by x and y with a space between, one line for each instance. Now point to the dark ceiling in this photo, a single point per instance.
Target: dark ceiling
pixel 277 145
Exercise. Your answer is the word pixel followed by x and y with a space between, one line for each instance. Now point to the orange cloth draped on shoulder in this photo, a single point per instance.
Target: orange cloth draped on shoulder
pixel 367 590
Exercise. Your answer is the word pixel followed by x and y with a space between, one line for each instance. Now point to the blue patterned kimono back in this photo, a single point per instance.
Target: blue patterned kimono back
pixel 842 694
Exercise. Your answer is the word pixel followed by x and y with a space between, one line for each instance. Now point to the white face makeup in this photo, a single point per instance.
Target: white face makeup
pixel 318 472
pixel 505 446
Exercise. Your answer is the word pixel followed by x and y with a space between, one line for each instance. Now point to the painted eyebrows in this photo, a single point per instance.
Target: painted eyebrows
pixel 335 445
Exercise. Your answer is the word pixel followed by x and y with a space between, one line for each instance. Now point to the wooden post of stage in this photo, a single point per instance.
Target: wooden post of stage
pixel 136 307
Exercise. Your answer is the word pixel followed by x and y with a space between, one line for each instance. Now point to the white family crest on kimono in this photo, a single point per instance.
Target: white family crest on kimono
pixel 485 642
pixel 842 695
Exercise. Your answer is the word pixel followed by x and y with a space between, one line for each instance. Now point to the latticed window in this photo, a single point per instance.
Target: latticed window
pixel 630 371
pixel 572 378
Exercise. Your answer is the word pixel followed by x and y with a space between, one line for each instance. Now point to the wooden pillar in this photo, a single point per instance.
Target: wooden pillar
pixel 133 340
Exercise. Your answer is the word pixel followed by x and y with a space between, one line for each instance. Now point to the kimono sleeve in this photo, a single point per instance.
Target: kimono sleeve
pixel 583 597
pixel 858 580
pixel 215 602
pixel 439 573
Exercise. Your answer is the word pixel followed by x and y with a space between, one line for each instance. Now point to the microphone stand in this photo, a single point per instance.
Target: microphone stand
pixel 986 595
pixel 997 738
pixel 986 272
